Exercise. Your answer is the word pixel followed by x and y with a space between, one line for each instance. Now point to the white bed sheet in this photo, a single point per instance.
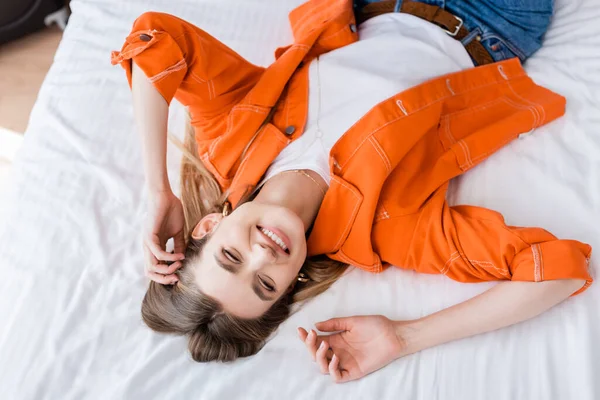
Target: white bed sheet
pixel 71 277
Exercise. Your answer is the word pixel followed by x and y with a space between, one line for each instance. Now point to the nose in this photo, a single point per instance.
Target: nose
pixel 262 255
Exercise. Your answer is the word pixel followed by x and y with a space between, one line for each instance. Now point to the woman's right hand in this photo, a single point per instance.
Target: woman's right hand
pixel 165 221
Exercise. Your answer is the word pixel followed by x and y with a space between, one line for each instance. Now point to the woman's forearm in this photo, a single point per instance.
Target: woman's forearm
pixel 505 304
pixel 151 115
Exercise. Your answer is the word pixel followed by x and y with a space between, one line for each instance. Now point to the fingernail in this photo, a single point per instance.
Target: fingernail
pixel 334 358
pixel 322 346
pixel 174 281
pixel 311 333
pixel 182 257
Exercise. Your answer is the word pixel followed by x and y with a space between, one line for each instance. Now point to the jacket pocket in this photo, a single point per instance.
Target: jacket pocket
pixel 476 133
pixel 336 217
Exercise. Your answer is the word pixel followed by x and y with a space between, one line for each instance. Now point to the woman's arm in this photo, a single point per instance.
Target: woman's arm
pixel 165 212
pixel 151 113
pixel 365 344
pixel 503 305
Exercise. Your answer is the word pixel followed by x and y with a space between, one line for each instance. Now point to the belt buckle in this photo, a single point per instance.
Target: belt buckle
pixel 460 24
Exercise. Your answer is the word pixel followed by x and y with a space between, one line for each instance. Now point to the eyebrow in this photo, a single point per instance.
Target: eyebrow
pixel 255 287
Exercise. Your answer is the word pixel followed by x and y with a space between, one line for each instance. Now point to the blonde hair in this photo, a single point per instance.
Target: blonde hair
pixel 184 309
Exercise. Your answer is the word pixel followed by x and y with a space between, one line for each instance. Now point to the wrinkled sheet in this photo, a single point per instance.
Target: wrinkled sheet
pixel 72 279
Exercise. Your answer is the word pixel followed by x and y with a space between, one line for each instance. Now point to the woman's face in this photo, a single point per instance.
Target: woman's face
pixel 252 257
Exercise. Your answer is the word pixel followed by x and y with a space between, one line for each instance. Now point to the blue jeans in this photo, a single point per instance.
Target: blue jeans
pixel 506 28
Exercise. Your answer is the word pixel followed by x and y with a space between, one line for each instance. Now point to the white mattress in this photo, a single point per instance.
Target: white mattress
pixel 72 279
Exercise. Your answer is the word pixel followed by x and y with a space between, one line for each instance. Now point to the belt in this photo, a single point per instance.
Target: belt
pixel 449 22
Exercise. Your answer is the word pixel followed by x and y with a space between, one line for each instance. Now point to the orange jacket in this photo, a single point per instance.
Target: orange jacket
pixel 390 171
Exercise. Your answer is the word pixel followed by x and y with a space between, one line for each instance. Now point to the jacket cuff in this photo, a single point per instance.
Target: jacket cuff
pixel 560 259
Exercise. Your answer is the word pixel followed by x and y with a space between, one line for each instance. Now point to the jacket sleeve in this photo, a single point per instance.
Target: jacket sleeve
pixel 474 244
pixel 175 54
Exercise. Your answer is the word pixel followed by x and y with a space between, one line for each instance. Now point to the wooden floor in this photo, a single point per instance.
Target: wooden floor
pixel 23 66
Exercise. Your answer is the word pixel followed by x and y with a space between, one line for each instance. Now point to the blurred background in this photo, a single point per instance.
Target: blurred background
pixel 30 31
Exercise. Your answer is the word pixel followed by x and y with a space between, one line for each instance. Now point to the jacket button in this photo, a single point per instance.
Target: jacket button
pixel 145 38
pixel 353 28
pixel 290 130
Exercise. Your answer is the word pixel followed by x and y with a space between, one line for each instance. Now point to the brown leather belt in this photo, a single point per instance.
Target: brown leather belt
pixel 450 23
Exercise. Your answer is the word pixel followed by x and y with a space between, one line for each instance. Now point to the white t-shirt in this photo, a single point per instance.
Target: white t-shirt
pixel 394 52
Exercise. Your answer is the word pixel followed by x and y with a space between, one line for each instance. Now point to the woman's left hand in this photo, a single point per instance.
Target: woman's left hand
pixel 362 345
pixel 165 221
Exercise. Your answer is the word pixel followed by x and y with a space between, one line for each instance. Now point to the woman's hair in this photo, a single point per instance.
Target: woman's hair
pixel 183 309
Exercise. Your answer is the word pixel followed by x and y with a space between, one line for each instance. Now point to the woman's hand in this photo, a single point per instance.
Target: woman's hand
pixel 362 345
pixel 365 344
pixel 165 221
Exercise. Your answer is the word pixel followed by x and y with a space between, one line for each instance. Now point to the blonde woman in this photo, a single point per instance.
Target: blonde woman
pixel 340 153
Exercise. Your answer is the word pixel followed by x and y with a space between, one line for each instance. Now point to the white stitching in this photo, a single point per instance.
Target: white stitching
pixel 181 64
pixel 452 258
pixel 299 46
pixel 501 70
pixel 340 181
pixel 382 215
pixel 464 148
pixel 536 263
pixel 456 255
pixel 449 87
pixel 468 152
pixel 541 263
pixel 212 84
pixel 533 110
pixel 401 106
pixel 501 271
pixel 250 107
pixel 211 89
pixel 196 77
pixel 448 132
pixel 381 153
pixel 536 105
pixel 244 162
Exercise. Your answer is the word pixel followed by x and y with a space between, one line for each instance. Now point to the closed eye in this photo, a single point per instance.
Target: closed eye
pixel 267 285
pixel 231 256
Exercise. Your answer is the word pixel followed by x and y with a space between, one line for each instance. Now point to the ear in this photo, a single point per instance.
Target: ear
pixel 206 225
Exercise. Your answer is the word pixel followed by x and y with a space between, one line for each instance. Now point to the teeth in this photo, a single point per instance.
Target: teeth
pixel 275 238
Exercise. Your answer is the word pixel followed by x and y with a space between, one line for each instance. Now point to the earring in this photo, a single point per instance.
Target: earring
pixel 226 208
pixel 302 277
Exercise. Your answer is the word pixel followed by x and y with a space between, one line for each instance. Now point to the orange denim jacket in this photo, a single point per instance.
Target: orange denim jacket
pixel 390 171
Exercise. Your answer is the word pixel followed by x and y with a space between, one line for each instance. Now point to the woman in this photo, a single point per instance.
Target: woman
pixel 340 153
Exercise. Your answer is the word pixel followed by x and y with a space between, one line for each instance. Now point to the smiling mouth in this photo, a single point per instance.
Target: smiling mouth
pixel 273 237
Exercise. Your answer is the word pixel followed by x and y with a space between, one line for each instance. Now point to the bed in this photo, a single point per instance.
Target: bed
pixel 72 273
